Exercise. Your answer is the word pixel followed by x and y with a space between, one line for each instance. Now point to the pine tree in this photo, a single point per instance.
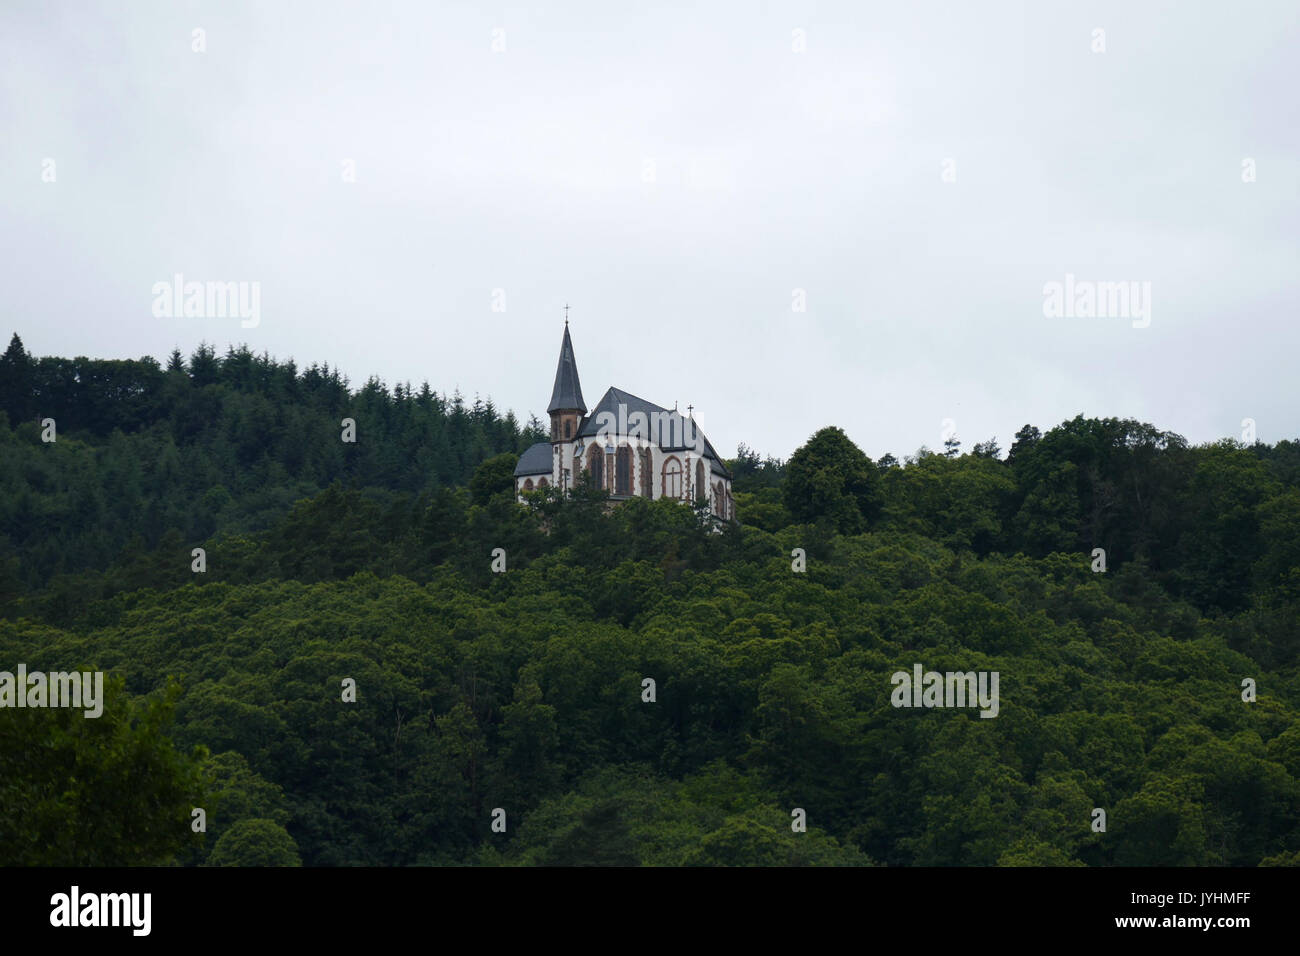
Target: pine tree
pixel 17 374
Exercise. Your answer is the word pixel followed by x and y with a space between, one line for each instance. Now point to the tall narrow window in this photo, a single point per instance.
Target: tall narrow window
pixel 672 478
pixel 596 465
pixel 647 478
pixel 623 471
pixel 701 487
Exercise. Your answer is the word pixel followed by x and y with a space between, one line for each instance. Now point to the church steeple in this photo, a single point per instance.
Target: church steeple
pixel 567 407
pixel 567 393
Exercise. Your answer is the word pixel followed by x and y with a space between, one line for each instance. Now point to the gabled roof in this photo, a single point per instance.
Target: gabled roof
pixel 535 461
pixel 676 432
pixel 567 393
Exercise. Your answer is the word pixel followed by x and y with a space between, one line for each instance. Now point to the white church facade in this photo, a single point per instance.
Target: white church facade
pixel 626 446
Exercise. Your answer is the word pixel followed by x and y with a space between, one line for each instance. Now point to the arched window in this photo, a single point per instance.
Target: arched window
pixel 647 474
pixel 528 484
pixel 701 488
pixel 623 471
pixel 672 477
pixel 596 465
pixel 719 501
pixel 568 428
pixel 542 482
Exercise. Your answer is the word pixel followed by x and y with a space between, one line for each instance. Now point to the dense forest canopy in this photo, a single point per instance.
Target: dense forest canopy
pixel 524 691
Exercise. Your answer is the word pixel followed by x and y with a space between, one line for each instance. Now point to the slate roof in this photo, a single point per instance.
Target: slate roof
pixel 535 461
pixel 567 393
pixel 675 429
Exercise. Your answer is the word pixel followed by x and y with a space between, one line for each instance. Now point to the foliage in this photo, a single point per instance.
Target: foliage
pixel 110 790
pixel 523 690
pixel 255 843
pixel 831 477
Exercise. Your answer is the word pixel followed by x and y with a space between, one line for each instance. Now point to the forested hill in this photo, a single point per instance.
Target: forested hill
pixel 500 652
pixel 209 445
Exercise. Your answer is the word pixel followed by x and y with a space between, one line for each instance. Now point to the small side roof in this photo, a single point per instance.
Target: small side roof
pixel 535 461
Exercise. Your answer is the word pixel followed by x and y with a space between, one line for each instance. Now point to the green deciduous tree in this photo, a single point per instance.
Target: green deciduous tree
pixel 96 791
pixel 831 477
pixel 255 842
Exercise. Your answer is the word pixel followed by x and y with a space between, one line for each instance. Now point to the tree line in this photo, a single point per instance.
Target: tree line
pixel 524 690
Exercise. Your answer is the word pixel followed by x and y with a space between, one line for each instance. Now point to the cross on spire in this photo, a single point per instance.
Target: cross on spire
pixel 690 410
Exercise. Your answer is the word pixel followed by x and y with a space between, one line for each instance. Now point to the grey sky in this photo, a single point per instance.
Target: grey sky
pixel 523 170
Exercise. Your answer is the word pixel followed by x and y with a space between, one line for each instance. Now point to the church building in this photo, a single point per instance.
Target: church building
pixel 626 445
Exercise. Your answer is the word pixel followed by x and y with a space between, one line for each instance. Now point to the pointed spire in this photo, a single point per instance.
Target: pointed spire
pixel 567 394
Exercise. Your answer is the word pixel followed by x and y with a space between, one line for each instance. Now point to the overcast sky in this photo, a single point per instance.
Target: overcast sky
pixel 674 172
